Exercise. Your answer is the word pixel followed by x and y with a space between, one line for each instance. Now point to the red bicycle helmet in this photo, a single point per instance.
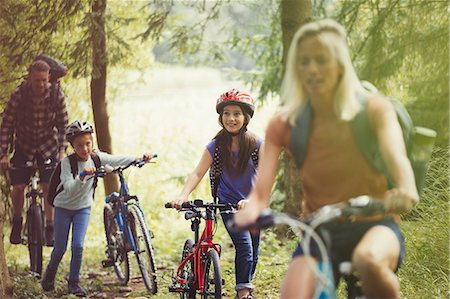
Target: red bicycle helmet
pixel 235 97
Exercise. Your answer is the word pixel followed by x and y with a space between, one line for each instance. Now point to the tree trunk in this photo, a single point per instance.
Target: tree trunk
pixel 5 281
pixel 294 13
pixel 98 86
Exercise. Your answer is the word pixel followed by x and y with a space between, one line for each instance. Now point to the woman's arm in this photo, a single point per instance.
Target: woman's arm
pixel 258 199
pixel 393 151
pixel 193 179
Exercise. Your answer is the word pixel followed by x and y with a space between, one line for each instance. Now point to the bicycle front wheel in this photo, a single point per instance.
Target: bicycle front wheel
pixel 144 249
pixel 116 250
pixel 188 271
pixel 213 276
pixel 35 231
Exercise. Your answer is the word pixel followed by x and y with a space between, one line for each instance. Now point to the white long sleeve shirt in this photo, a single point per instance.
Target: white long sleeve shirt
pixel 78 194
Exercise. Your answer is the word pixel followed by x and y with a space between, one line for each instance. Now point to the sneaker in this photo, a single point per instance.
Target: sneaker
pixel 75 289
pixel 49 236
pixel 48 281
pixel 16 231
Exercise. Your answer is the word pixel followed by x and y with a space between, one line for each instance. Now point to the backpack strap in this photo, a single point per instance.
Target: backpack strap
pixel 215 172
pixel 255 156
pixel 366 139
pixel 73 160
pixel 74 166
pixel 97 164
pixel 300 134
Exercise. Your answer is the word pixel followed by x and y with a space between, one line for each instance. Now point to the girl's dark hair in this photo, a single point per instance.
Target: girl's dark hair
pixel 247 144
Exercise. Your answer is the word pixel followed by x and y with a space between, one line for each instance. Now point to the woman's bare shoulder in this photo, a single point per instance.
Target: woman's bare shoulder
pixel 379 107
pixel 279 130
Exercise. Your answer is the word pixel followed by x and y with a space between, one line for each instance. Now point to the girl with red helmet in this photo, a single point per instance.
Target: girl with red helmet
pixel 233 152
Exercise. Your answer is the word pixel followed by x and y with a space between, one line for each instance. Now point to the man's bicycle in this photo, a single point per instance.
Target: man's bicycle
pixel 316 227
pixel 33 231
pixel 126 230
pixel 199 269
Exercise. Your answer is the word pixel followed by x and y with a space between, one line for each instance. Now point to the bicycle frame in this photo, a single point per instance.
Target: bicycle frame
pixel 33 191
pixel 202 246
pixel 202 249
pixel 121 215
pixel 32 233
pixel 124 212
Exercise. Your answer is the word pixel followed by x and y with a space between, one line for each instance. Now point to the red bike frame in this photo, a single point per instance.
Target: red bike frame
pixel 202 244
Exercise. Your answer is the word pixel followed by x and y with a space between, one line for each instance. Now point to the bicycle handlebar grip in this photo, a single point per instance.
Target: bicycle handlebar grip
pixel 186 204
pixel 168 205
pixel 265 220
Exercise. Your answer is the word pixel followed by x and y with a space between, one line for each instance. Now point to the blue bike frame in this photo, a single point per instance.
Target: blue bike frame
pixel 123 199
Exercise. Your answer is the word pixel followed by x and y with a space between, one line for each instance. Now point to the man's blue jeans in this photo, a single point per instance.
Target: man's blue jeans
pixel 247 252
pixel 79 219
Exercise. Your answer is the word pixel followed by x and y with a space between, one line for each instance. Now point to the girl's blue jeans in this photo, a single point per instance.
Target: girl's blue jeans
pixel 247 252
pixel 63 219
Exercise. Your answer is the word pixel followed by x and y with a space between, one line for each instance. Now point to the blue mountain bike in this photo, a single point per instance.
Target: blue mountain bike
pixel 127 231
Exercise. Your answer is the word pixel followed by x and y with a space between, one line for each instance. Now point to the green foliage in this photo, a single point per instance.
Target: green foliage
pixel 64 29
pixel 30 28
pixel 402 47
pixel 426 235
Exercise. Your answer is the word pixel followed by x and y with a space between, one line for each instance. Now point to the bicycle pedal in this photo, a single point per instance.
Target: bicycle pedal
pixel 107 263
pixel 174 289
pixel 178 289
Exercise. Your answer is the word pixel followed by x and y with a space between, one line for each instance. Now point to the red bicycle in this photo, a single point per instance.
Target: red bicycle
pixel 199 269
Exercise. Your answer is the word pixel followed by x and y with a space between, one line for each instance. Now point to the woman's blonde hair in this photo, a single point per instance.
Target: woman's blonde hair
pixel 332 35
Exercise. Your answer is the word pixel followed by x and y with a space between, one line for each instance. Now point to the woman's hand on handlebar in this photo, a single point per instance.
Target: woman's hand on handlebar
pixel 247 214
pixel 399 201
pixel 177 202
pixel 241 204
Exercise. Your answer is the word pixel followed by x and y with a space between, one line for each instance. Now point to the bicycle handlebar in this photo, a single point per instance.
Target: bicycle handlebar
pixel 358 206
pixel 104 170
pixel 33 165
pixel 198 203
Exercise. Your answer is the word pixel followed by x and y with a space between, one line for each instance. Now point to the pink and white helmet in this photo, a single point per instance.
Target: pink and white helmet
pixel 235 97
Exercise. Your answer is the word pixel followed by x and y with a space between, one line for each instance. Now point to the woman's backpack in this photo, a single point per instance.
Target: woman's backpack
pixel 367 142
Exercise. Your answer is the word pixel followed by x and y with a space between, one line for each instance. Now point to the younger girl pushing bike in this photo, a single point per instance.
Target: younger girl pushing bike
pixel 73 203
pixel 231 157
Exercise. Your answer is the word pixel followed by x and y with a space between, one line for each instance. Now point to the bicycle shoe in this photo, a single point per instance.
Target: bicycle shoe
pixel 49 236
pixel 16 231
pixel 76 289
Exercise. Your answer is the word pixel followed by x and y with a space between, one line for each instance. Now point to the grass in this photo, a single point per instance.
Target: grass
pixel 177 123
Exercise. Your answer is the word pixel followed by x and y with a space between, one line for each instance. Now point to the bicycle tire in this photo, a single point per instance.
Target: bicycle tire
pixel 116 250
pixel 212 276
pixel 187 272
pixel 144 250
pixel 35 240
